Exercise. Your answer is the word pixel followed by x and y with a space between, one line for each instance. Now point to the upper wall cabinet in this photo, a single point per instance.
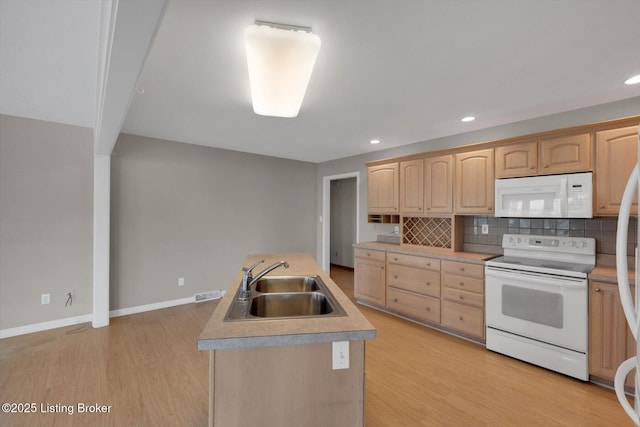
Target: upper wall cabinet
pixel 474 182
pixel 438 174
pixel 616 156
pixel 412 186
pixel 517 160
pixel 566 154
pixel 383 188
pixel 546 157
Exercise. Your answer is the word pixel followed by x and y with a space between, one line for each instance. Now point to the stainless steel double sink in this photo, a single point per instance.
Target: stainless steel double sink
pixel 279 297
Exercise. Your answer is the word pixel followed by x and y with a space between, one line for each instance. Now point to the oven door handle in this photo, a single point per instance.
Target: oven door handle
pixel 568 282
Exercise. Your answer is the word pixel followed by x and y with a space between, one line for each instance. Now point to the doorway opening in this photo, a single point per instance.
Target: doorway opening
pixel 340 213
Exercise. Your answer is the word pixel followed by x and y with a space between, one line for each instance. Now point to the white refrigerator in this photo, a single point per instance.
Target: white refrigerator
pixel 630 306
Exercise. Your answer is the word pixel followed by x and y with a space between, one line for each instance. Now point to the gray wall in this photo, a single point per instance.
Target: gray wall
pixel 46 220
pixel 369 232
pixel 343 221
pixel 181 210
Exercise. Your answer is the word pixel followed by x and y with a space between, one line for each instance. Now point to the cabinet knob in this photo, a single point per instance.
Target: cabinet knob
pixel 489 208
pixel 419 209
pixel 532 167
pixel 382 268
pixel 428 309
pixel 428 209
pixel 395 300
pixel 395 276
pixel 602 206
pixel 395 258
pixel 461 283
pixel 428 263
pixel 368 253
pixel 428 283
pixel 462 297
pixel 597 289
pixel 546 166
pixel 461 268
pixel 460 318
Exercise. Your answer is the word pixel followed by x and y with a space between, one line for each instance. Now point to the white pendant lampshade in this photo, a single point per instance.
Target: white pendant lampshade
pixel 280 61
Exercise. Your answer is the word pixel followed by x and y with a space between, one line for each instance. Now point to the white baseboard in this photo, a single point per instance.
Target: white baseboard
pixel 43 326
pixel 60 323
pixel 150 307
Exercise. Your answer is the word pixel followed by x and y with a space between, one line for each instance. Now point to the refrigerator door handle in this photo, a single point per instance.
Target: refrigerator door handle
pixel 624 369
pixel 621 253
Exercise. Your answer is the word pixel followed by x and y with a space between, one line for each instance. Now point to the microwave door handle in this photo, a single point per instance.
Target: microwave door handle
pixel 563 197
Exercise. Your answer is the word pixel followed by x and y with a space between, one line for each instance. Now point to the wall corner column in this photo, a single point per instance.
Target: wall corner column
pixel 101 238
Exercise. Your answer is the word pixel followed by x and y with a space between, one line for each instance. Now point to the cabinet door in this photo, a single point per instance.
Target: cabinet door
pixel 517 160
pixel 383 188
pixel 438 172
pixel 607 330
pixel 566 154
pixel 411 186
pixel 617 154
pixel 369 281
pixel 475 182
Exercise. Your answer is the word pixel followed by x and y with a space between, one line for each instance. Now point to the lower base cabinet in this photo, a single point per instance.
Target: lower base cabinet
pixel 610 340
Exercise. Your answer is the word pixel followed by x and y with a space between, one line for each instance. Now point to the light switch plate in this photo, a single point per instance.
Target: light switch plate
pixel 341 355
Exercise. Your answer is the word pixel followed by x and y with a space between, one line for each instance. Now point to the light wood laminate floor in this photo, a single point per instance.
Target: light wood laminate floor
pixel 147 368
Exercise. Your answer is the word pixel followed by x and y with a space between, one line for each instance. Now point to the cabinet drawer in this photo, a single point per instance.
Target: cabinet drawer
pixel 463 269
pixel 463 283
pixel 469 320
pixel 415 261
pixel 370 254
pixel 463 297
pixel 418 306
pixel 413 279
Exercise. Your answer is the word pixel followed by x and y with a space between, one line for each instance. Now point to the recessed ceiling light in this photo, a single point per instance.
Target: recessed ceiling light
pixel 467 119
pixel 375 141
pixel 632 80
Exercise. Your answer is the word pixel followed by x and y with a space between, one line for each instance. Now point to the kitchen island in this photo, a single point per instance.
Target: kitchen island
pixel 280 371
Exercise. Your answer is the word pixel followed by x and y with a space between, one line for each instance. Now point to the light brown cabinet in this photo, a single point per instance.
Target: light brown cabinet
pixel 383 187
pixel 438 173
pixel 517 160
pixel 551 156
pixel 474 182
pixel 565 154
pixel 413 286
pixel 370 276
pixel 610 340
pixel 463 297
pixel 616 156
pixel 412 186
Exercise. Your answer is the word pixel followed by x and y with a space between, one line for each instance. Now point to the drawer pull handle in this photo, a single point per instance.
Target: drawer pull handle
pixel 461 296
pixel 597 289
pixel 460 318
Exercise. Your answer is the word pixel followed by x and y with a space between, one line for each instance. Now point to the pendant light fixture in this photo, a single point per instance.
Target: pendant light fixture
pixel 280 59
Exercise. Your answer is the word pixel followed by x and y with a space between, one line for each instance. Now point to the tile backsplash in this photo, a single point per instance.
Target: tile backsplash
pixel 602 229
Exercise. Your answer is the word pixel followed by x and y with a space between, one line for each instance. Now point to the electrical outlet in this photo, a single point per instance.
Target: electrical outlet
pixel 340 355
pixel 180 281
pixel 45 299
pixel 485 228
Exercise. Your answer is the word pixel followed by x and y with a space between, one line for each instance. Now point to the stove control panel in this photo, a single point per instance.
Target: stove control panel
pixel 581 245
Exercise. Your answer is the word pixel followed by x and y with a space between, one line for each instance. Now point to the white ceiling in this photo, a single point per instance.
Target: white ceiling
pixel 399 71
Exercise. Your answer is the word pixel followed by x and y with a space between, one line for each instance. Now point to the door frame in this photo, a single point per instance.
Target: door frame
pixel 326 214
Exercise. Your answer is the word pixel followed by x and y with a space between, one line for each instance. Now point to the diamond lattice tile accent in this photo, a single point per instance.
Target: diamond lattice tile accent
pixel 426 231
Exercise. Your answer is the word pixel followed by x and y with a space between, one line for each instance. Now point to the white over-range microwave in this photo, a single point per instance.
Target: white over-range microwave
pixel 551 196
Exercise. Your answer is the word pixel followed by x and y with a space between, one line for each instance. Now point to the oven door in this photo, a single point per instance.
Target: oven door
pixel 547 308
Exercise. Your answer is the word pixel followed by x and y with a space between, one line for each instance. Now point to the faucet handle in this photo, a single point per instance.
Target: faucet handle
pixel 248 269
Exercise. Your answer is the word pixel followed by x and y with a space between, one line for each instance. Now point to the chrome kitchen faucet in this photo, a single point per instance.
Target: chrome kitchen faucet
pixel 248 279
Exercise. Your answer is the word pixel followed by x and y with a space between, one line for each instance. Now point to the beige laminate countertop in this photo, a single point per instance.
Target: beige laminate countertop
pixel 606 273
pixel 470 257
pixel 219 334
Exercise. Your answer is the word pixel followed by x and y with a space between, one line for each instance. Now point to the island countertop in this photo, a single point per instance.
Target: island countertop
pixel 219 334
